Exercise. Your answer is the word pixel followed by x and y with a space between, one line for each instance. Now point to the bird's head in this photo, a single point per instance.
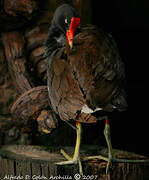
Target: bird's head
pixel 72 26
pixel 67 19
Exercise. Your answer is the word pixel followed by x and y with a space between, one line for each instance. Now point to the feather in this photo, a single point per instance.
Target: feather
pixel 91 76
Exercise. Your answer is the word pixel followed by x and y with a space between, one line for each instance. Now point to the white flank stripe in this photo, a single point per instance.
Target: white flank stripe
pixel 87 110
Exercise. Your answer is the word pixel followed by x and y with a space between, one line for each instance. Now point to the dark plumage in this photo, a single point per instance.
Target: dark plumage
pixel 92 74
pixel 84 79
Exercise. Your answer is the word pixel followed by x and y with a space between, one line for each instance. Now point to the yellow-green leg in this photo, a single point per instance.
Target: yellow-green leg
pixel 109 144
pixel 76 156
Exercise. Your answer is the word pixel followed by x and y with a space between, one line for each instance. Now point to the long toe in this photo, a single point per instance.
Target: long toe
pixel 67 162
pixel 108 160
pixel 73 161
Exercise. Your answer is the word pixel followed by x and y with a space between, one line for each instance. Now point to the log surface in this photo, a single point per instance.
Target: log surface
pixel 16 14
pixel 34 161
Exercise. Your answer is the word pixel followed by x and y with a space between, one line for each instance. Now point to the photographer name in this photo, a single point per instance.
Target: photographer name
pixel 19 177
pixel 36 177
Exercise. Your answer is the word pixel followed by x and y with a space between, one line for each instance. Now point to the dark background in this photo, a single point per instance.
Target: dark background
pixel 128 22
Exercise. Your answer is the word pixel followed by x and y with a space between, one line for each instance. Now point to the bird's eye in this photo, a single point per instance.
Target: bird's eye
pixel 66 21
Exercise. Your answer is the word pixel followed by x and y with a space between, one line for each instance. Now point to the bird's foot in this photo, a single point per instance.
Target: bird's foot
pixel 71 160
pixel 109 160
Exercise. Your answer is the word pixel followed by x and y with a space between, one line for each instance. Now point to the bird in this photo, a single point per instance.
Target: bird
pixel 85 75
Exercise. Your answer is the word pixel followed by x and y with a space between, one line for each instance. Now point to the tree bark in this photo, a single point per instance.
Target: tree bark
pixel 24 26
pixel 16 14
pixel 31 106
pixel 34 161
pixel 14 51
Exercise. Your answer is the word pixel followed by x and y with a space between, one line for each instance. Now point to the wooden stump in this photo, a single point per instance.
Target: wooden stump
pixel 34 162
pixel 16 14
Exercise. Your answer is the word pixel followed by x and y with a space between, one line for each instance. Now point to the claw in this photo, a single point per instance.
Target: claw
pixel 74 160
pixel 76 157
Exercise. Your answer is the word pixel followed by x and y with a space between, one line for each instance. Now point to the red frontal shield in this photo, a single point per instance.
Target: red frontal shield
pixel 75 23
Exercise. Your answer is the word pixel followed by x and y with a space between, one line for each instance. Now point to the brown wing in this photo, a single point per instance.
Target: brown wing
pixel 91 74
pixel 98 69
pixel 64 92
